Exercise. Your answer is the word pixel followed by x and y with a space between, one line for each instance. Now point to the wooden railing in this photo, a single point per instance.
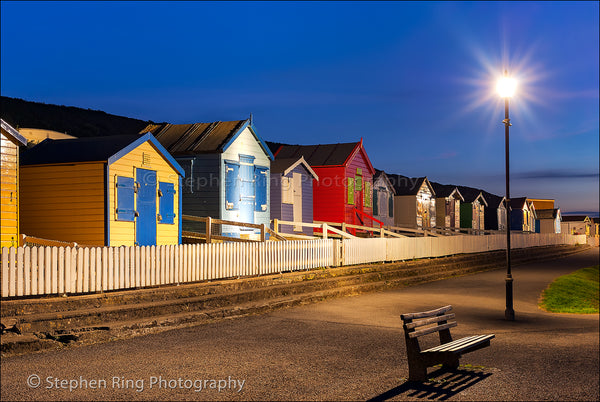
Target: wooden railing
pixel 325 229
pixel 208 236
pixel 372 218
pixel 38 241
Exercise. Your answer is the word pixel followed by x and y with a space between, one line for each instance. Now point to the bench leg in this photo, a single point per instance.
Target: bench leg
pixel 417 372
pixel 451 363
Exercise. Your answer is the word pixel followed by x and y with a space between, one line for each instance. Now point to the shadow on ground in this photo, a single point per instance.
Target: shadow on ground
pixel 441 384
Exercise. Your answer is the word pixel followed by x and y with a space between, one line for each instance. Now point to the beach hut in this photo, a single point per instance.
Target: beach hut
pixel 11 140
pixel 447 205
pixel 102 191
pixel 414 202
pixel 292 193
pixel 548 220
pixel 472 210
pixel 539 203
pixel 36 135
pixel 344 191
pixel 495 212
pixel 576 224
pixel 522 215
pixel 383 198
pixel 227 170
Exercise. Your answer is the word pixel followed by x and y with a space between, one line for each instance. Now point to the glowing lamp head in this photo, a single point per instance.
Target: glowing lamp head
pixel 506 87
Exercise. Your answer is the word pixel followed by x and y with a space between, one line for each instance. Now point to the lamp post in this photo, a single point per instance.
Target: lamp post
pixel 506 88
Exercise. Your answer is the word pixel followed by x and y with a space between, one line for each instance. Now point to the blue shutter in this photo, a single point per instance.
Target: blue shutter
pixel 260 179
pixel 232 186
pixel 125 199
pixel 166 206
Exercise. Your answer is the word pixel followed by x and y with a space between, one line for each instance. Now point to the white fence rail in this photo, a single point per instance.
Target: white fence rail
pixel 28 271
pixel 45 270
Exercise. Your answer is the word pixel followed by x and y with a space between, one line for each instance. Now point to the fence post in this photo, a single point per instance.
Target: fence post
pixel 208 229
pixel 324 229
pixel 276 225
pixel 263 232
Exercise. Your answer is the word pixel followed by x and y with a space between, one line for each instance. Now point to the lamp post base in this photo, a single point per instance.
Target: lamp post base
pixel 509 313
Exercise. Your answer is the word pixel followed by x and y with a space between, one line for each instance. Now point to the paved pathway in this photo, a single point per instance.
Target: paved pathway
pixel 345 349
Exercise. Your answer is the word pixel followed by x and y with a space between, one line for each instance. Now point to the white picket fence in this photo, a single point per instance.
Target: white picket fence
pixel 363 251
pixel 45 270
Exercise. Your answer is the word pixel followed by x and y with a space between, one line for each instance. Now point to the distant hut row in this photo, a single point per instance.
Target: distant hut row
pixel 134 189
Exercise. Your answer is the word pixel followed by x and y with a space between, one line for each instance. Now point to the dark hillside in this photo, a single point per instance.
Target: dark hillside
pixel 66 119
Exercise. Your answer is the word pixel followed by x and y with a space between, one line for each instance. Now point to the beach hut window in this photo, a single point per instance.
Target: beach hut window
pixel 232 185
pixel 391 206
pixel 166 206
pixel 367 195
pixel 125 199
pixel 261 179
pixel 350 191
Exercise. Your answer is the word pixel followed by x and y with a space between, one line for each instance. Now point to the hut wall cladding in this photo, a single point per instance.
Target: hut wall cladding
pixel 405 210
pixel 9 193
pixel 329 194
pixel 277 212
pixel 307 199
pixel 122 233
pixel 383 202
pixel 201 188
pixel 246 144
pixel 466 215
pixel 358 162
pixel 64 202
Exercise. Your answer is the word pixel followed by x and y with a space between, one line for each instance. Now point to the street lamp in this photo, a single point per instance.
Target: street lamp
pixel 506 89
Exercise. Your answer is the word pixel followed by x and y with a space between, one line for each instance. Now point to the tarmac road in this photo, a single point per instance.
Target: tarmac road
pixel 350 348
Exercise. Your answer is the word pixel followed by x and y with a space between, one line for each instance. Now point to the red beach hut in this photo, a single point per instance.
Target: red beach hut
pixel 344 191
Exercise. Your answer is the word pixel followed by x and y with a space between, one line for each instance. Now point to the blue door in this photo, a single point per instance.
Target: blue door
pixel 247 194
pixel 145 222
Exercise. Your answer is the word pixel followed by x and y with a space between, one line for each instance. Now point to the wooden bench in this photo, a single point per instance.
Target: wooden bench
pixel 447 353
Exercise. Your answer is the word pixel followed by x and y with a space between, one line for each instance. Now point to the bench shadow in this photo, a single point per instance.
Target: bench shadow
pixel 441 384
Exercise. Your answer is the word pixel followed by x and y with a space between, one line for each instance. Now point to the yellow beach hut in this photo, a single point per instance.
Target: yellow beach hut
pixel 102 191
pixel 9 193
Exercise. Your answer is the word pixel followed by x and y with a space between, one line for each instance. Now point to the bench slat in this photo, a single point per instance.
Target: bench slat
pixel 424 314
pixel 426 331
pixel 454 344
pixel 461 344
pixel 425 321
pixel 464 345
pixel 474 342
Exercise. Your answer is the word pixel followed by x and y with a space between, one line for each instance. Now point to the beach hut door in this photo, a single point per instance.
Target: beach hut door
pixel 145 222
pixel 247 194
pixel 297 185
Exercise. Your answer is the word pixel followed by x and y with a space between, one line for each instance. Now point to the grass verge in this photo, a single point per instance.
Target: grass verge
pixel 573 293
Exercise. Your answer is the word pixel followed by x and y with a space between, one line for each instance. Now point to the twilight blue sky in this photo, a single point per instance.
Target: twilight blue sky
pixel 415 80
